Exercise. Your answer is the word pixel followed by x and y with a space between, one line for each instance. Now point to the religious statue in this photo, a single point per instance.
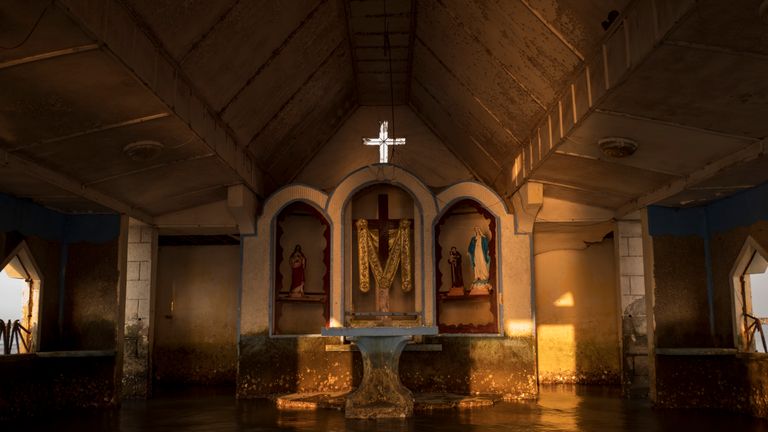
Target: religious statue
pixel 457 281
pixel 298 263
pixel 480 258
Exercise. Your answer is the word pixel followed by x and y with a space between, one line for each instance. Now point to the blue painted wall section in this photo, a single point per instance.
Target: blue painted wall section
pixel 743 209
pixel 31 219
pixel 740 210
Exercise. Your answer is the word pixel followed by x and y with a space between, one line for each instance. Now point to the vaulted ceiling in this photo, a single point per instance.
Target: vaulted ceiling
pixel 249 92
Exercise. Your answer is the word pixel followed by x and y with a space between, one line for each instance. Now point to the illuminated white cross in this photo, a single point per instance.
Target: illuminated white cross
pixel 383 141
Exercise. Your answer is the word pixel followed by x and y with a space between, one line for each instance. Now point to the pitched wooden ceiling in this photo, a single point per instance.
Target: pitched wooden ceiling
pixel 249 91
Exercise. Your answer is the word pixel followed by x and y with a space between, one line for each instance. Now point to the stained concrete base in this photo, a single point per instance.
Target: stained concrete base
pixel 422 401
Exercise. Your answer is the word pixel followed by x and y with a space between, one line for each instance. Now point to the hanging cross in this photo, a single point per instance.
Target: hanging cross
pixel 383 141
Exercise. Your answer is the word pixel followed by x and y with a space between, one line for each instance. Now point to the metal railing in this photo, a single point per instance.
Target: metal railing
pixel 10 332
pixel 754 325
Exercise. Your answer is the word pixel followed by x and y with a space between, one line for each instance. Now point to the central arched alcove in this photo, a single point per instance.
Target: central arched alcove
pixel 375 213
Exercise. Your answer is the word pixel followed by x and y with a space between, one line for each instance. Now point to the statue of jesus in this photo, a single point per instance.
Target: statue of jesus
pixel 298 263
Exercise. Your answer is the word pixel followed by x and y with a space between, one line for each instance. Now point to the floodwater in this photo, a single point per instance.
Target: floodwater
pixel 559 408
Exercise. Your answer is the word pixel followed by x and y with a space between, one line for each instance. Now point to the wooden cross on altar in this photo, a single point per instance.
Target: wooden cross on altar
pixel 383 224
pixel 383 141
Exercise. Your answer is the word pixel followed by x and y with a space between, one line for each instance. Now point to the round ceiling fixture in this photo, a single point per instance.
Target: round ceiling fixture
pixel 142 151
pixel 617 147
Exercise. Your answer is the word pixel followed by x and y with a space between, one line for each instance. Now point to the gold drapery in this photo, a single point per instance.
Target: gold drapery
pixel 399 256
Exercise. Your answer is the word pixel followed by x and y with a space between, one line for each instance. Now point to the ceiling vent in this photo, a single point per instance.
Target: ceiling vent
pixel 617 147
pixel 142 151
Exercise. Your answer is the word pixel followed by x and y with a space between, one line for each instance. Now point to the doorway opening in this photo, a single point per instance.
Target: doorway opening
pixel 750 283
pixel 20 285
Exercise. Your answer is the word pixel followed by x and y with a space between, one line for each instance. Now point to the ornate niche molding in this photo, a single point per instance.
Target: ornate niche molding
pixel 426 211
pixel 267 237
pixel 489 206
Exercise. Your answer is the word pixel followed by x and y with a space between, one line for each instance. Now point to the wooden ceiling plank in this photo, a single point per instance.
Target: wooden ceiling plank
pixel 674 187
pixel 74 186
pixel 48 55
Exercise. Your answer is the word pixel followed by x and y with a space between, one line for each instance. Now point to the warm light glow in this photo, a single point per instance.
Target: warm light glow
pixel 516 167
pixel 334 323
pixel 565 300
pixel 557 349
pixel 518 328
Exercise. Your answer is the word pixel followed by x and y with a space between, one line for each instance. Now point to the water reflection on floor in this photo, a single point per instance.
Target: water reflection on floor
pixel 560 408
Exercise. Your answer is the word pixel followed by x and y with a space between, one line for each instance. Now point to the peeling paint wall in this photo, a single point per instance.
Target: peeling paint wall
pixel 694 253
pixel 196 314
pixel 576 308
pixel 77 258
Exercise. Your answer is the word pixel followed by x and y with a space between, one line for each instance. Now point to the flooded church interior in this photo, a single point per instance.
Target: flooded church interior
pixel 384 214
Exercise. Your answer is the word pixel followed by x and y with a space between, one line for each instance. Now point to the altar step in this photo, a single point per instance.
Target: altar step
pixel 422 401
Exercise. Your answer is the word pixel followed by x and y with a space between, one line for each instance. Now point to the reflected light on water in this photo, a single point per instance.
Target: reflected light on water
pixel 559 408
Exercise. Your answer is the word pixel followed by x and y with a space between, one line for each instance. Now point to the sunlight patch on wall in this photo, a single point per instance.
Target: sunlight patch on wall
pixel 557 349
pixel 565 300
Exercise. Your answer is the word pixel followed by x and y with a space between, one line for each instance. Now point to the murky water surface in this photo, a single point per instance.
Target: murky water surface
pixel 563 408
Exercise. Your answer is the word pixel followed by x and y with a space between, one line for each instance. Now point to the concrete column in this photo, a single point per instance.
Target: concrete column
pixel 634 335
pixel 139 299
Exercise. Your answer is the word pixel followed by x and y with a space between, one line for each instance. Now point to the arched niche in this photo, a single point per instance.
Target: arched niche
pixel 301 270
pixel 382 206
pixel 467 302
pixel 475 204
pixel 425 211
pixel 264 270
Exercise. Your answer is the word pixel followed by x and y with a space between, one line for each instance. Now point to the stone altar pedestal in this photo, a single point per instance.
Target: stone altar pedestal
pixel 381 394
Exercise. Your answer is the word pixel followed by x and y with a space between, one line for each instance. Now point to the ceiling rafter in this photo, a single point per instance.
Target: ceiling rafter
pixel 352 52
pixel 150 168
pixel 275 53
pixel 496 60
pixel 553 30
pixel 616 162
pixel 582 188
pixel 611 83
pixel 187 101
pixel 714 48
pixel 103 128
pixel 293 96
pixel 673 124
pixel 411 43
pixel 449 143
pixel 748 153
pixel 73 185
pixel 192 193
pixel 319 147
pixel 48 55
pixel 204 35
pixel 469 90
